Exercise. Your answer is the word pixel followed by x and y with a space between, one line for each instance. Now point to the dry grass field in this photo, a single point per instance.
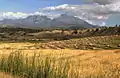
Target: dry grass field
pixel 76 63
pixel 4 75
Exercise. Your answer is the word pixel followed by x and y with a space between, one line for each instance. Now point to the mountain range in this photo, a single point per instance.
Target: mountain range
pixel 37 21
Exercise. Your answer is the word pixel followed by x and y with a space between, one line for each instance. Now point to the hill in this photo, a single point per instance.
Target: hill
pixel 93 38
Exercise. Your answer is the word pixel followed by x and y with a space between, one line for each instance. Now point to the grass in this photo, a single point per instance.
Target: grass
pixel 43 60
pixel 5 75
pixel 87 43
pixel 62 64
pixel 33 67
pixel 40 58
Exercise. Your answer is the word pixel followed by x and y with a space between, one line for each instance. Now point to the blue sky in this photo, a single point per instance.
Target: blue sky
pixel 100 12
pixel 31 5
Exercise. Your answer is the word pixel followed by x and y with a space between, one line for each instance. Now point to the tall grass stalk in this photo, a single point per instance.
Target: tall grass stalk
pixel 35 66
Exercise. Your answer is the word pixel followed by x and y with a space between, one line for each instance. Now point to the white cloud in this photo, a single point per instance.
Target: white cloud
pixel 18 15
pixel 95 13
pixel 12 15
pixel 87 12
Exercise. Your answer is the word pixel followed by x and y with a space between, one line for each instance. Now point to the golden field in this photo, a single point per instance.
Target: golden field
pixel 80 63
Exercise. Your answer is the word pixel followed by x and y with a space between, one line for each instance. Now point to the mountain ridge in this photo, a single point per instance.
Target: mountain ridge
pixel 63 21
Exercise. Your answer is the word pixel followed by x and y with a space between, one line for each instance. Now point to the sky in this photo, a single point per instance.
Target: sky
pixel 32 5
pixel 97 12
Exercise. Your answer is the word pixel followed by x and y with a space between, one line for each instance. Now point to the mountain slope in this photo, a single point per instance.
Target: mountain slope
pixel 63 21
pixel 71 22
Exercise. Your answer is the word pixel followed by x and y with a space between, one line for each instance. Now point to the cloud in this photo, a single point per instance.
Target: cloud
pixel 20 15
pixel 87 12
pixel 103 2
pixel 12 15
pixel 97 12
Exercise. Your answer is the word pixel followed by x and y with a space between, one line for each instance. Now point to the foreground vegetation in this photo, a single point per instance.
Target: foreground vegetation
pixel 61 63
